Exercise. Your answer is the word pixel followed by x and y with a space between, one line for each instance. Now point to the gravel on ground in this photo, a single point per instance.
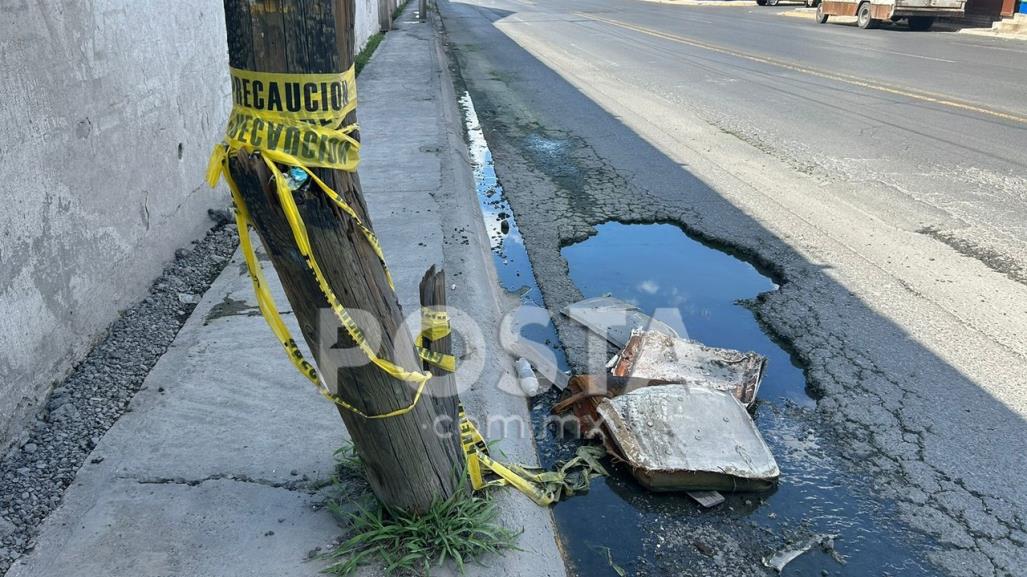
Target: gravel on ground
pixel 46 456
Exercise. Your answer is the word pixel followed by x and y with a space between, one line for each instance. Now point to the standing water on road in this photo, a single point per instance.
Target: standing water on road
pixel 619 523
pixel 620 529
pixel 508 252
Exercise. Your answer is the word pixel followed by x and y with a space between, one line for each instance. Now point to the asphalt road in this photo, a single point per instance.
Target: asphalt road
pixel 879 175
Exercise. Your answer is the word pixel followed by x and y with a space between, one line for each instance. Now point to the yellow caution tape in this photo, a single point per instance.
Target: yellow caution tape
pixel 299 120
pixel 542 487
pixel 434 326
pixel 274 319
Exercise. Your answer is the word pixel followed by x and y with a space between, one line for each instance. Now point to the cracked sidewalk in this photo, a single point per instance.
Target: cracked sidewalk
pixel 217 466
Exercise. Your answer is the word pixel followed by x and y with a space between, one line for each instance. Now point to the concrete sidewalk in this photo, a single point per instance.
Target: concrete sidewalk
pixel 216 470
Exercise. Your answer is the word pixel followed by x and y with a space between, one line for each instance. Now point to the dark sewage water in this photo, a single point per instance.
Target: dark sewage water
pixel 618 528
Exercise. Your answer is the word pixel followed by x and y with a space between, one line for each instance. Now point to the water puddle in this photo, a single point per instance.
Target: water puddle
pixel 657 265
pixel 620 529
pixel 508 251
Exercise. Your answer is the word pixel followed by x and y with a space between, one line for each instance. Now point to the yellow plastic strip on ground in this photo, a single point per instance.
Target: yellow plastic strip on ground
pixel 542 487
pixel 514 480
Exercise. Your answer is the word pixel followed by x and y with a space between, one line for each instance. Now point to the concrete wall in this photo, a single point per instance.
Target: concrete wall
pixel 108 112
pixel 365 24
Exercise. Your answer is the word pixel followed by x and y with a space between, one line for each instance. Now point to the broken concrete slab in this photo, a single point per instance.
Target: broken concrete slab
pixel 689 437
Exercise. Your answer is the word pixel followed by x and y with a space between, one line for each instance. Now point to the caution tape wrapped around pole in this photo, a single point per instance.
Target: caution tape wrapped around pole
pixel 299 120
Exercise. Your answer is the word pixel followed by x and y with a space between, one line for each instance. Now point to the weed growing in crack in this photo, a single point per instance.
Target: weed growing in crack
pixel 461 528
pixel 364 56
pixel 347 463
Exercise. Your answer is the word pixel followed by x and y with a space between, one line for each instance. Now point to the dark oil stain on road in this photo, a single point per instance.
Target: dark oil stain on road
pixel 618 526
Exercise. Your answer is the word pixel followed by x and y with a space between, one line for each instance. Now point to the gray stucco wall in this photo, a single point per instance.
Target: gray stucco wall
pixel 108 112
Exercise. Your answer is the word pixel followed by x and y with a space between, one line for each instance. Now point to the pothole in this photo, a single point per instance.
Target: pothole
pixel 618 526
pixel 658 266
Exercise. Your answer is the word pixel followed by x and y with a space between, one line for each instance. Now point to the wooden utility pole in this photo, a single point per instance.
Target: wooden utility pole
pixel 407 463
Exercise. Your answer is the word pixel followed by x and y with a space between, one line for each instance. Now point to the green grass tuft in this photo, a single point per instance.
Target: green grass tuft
pixel 461 528
pixel 372 44
pixel 348 463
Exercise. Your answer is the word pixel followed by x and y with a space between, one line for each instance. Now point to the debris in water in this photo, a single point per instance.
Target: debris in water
pixel 613 565
pixel 539 355
pixel 614 319
pixel 655 356
pixel 688 437
pixel 526 378
pixel 708 499
pixel 588 391
pixel 778 560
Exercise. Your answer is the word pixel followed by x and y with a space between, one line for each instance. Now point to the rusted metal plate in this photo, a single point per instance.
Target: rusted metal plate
pixel 688 437
pixel 881 11
pixel 835 8
pixel 585 394
pixel 658 357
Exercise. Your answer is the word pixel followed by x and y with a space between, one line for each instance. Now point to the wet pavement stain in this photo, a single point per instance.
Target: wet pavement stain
pixel 230 307
pixel 509 254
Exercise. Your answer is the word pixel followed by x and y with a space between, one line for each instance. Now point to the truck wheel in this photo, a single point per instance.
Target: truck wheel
pixel 863 18
pixel 920 23
pixel 821 17
pixel 771 2
pixel 761 2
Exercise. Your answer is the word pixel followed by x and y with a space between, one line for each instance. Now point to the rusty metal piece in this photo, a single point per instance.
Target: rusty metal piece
pixel 658 357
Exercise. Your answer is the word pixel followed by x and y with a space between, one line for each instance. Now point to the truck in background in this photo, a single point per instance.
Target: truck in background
pixel 919 14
